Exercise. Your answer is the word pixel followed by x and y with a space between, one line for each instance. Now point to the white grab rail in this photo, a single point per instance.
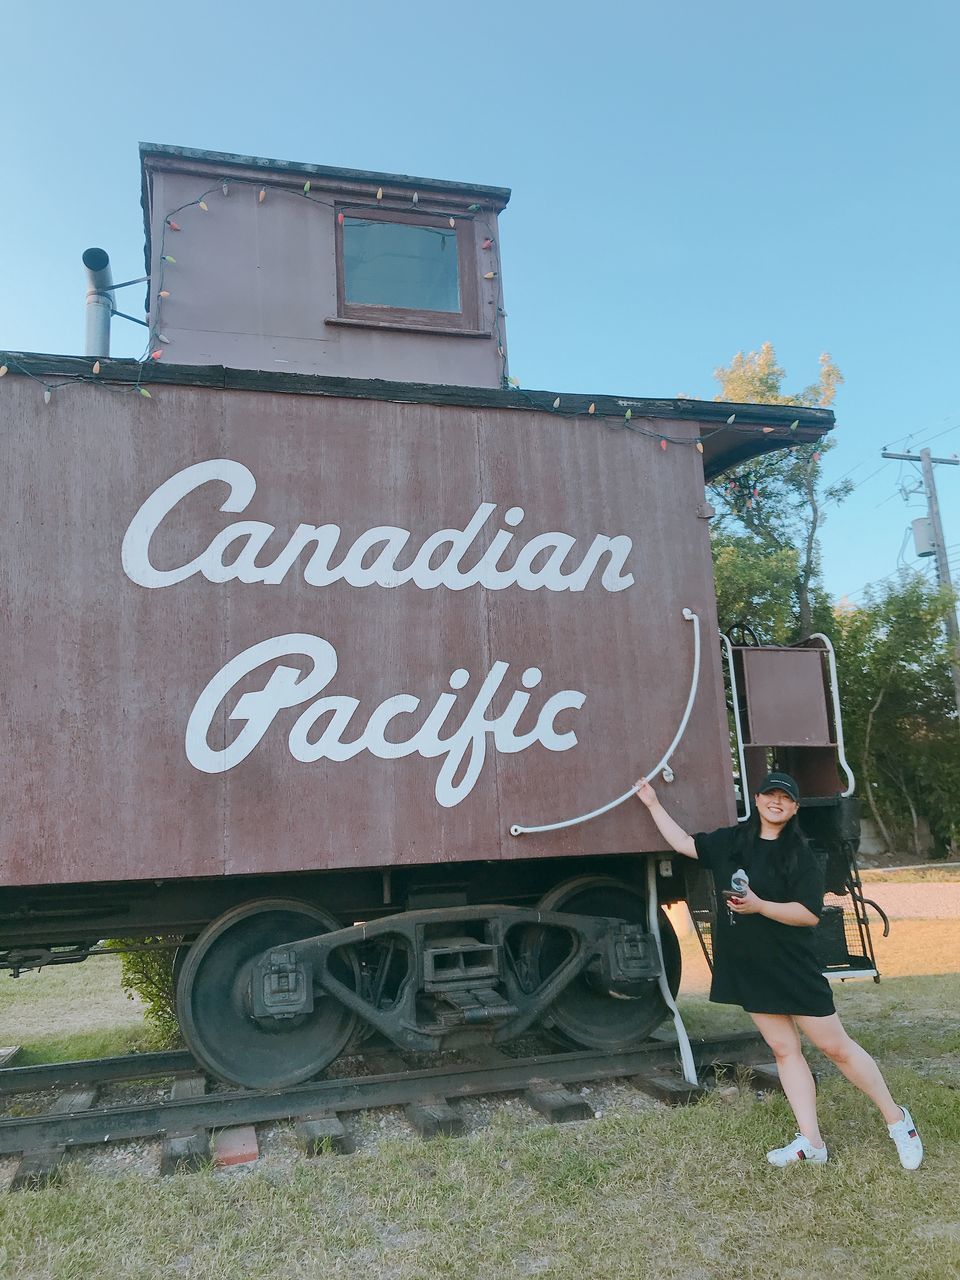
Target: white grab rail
pixel 662 765
pixel 734 693
pixel 837 721
pixel 653 920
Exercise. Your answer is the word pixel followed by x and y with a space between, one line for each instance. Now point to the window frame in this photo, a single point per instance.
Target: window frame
pixel 466 321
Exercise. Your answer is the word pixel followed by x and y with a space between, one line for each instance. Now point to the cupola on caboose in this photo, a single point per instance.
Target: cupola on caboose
pixel 304 269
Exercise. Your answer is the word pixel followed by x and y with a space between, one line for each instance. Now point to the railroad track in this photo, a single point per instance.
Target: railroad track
pixel 186 1117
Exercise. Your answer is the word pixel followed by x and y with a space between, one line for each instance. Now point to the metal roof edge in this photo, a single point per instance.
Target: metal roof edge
pixel 496 195
pixel 134 373
pixel 756 429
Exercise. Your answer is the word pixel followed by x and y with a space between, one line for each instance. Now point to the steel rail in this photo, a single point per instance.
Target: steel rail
pixel 64 1075
pixel 20 1134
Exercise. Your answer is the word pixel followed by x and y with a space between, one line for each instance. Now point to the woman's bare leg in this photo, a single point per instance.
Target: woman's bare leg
pixel 780 1033
pixel 829 1036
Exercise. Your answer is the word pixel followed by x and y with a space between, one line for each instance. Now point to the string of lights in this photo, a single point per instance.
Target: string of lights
pixel 157 339
pixel 75 379
pixel 572 407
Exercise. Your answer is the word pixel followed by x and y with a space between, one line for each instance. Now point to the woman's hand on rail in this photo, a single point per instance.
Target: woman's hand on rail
pixel 646 794
pixel 672 832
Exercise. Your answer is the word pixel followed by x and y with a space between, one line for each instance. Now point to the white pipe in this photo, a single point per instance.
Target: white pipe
pixel 100 302
pixel 661 766
pixel 653 919
pixel 744 787
pixel 838 723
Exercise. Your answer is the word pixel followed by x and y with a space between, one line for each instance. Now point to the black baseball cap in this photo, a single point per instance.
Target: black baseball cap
pixel 780 782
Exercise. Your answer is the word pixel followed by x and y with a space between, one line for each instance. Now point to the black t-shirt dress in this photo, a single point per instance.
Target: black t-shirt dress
pixel 760 964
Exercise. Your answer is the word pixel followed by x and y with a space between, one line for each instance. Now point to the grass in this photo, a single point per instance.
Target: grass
pixel 67 1012
pixel 684 1193
pixel 678 1193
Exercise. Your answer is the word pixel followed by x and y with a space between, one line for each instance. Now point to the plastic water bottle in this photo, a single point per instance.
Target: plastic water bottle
pixel 739 883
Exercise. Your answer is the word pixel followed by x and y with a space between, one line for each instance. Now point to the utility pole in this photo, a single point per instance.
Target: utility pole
pixel 940 548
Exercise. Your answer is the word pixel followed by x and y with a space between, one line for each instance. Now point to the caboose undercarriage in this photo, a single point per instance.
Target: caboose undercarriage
pixel 275 976
pixel 263 1014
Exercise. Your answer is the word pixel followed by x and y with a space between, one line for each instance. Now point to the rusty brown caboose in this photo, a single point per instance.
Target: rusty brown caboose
pixel 288 646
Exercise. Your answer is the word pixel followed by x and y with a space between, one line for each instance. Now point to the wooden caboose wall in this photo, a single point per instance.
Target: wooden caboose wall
pixel 100 675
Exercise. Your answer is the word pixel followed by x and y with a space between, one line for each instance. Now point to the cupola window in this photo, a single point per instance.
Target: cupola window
pixel 407 270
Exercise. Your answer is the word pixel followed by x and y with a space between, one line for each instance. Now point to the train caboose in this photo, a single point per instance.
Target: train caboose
pixel 326 649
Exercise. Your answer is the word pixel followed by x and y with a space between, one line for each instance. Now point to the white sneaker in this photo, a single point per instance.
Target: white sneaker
pixel 799 1149
pixel 909 1147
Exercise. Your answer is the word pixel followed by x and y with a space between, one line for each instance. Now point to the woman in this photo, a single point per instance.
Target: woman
pixel 764 958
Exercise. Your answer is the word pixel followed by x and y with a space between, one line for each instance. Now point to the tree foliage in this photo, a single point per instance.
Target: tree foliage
pixel 772 507
pixel 756 378
pixel 900 717
pixel 755 586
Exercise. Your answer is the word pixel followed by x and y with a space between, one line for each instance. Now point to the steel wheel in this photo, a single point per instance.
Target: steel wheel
pixel 587 1013
pixel 179 960
pixel 213 1001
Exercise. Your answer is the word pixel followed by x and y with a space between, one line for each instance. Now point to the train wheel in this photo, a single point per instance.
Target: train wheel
pixel 589 1012
pixel 179 960
pixel 213 999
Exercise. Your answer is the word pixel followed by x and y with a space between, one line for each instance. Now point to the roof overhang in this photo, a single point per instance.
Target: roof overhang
pixel 223 166
pixel 730 433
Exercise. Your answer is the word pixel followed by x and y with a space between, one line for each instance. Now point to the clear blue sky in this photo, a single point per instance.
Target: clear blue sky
pixel 688 180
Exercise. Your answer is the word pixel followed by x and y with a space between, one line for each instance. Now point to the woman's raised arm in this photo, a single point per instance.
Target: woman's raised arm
pixel 675 836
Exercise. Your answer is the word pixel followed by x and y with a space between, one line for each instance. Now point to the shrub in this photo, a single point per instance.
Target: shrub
pixel 149 975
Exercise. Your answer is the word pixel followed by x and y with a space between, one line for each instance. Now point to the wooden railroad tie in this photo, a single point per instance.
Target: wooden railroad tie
pixel 42 1167
pixel 433 1116
pixel 185 1152
pixel 764 1076
pixel 324 1131
pixel 236 1145
pixel 556 1103
pixel 671 1089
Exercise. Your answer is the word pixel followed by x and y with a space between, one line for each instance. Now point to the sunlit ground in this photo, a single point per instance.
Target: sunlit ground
pixel 914 948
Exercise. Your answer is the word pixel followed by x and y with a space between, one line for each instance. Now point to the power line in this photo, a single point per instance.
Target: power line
pixel 902 440
pixel 877 582
pixel 925 566
pixel 945 432
pixel 853 488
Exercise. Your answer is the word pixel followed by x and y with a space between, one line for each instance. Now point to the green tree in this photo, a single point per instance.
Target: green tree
pixel 775 503
pixel 900 718
pixel 755 585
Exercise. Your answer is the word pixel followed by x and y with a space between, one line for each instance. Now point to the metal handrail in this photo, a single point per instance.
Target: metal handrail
pixel 837 719
pixel 661 767
pixel 735 694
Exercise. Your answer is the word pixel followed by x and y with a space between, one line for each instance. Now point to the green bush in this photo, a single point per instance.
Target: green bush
pixel 149 975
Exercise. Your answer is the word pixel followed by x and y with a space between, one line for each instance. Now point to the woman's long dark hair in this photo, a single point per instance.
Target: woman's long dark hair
pixel 787 848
